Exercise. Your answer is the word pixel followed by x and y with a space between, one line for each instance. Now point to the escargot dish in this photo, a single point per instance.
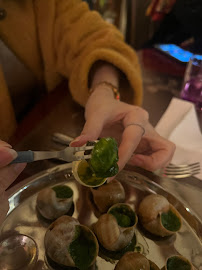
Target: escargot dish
pixel 158 216
pixel 107 195
pixel 102 164
pixel 178 262
pixel 135 261
pixel 67 243
pixel 54 202
pixel 116 228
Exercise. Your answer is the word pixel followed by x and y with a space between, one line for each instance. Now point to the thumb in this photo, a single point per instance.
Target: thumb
pixel 91 131
pixel 7 154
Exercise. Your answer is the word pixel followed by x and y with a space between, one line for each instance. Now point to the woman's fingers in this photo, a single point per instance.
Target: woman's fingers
pixel 134 122
pixel 6 155
pixel 152 162
pixel 161 154
pixel 91 131
pixel 130 140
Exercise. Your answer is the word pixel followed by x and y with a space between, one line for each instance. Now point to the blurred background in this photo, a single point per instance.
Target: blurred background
pixel 168 39
pixel 147 22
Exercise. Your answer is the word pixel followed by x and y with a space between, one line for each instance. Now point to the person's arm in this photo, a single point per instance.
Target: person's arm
pixel 103 72
pixel 74 38
pixel 77 39
pixel 139 143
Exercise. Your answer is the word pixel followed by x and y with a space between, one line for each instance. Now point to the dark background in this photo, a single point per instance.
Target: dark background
pixel 184 22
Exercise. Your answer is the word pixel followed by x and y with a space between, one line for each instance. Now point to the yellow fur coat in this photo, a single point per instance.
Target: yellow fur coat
pixel 57 39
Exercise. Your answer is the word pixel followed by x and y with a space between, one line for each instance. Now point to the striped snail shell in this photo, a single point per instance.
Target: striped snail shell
pixel 54 202
pixel 107 195
pixel 158 216
pixel 116 228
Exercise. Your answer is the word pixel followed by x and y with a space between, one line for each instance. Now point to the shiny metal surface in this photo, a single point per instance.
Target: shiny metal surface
pixel 68 154
pixel 23 217
pixel 18 252
pixel 62 138
pixel 180 171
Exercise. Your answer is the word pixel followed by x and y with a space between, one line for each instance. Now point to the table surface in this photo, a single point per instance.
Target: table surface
pixel 59 113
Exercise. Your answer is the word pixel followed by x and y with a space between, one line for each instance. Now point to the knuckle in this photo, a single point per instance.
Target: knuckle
pixel 142 112
pixel 145 114
pixel 137 114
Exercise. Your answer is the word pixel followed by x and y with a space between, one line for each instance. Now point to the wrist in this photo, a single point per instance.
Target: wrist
pixel 108 87
pixel 103 71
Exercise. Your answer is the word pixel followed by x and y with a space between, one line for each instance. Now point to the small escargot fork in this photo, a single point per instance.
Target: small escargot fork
pixel 68 154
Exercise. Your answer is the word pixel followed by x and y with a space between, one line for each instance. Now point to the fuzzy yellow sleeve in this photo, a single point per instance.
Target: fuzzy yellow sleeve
pixel 81 38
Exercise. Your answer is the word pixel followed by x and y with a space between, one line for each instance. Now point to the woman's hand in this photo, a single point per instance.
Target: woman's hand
pixel 153 151
pixel 8 173
pixel 106 116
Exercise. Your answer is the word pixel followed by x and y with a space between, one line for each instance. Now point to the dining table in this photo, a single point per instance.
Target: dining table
pixel 57 112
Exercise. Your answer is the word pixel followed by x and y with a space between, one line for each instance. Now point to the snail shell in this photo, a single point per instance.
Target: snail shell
pixel 110 234
pixel 177 258
pixel 59 236
pixel 134 261
pixel 93 181
pixel 50 206
pixel 150 213
pixel 107 195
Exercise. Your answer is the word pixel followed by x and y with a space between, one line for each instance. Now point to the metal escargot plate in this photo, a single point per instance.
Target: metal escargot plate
pixel 23 217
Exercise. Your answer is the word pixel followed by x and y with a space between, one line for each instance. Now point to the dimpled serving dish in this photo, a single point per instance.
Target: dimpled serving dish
pixel 23 217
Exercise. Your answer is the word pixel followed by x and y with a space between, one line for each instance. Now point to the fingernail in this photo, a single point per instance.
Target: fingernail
pixel 77 139
pixel 19 167
pixel 12 152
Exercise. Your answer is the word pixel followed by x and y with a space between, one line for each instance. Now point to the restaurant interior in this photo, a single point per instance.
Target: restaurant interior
pixel 167 38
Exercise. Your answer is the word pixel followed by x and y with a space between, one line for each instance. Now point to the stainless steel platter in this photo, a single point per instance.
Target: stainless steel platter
pixel 24 219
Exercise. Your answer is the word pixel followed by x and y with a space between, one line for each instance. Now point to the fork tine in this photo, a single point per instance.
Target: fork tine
pixel 181 171
pixel 183 165
pixel 179 175
pixel 83 148
pixel 77 158
pixel 184 172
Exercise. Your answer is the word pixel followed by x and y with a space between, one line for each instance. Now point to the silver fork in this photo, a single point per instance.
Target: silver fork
pixel 68 154
pixel 181 171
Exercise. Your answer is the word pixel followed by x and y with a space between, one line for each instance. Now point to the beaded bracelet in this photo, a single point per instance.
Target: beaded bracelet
pixel 112 87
